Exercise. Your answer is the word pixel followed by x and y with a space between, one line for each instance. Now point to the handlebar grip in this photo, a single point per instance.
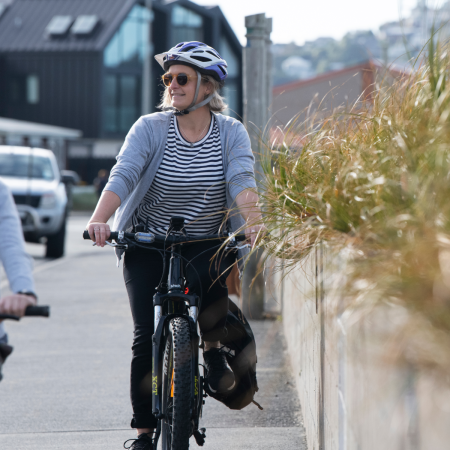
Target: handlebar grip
pixel 43 311
pixel 113 235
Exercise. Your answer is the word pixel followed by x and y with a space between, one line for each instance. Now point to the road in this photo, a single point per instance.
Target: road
pixel 66 385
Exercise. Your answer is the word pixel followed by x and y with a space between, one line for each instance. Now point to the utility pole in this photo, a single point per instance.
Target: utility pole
pixel 257 98
pixel 147 65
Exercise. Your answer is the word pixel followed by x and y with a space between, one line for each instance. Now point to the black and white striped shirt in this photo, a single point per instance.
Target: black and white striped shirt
pixel 190 182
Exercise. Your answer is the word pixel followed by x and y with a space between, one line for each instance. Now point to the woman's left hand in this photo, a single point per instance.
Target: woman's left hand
pixel 255 232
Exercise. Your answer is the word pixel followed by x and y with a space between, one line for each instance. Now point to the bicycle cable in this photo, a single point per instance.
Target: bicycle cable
pixel 182 257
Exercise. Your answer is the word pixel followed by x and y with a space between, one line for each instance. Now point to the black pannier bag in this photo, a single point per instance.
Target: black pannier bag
pixel 240 348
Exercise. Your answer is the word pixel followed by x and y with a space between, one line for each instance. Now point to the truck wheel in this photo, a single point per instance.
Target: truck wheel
pixel 56 243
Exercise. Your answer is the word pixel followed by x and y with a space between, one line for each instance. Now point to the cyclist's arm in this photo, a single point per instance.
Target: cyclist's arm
pixel 106 207
pixel 247 202
pixel 16 262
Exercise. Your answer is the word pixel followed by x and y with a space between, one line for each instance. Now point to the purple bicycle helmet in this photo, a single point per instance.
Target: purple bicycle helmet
pixel 197 55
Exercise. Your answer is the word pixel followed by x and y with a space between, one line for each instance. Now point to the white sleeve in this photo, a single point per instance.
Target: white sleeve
pixel 16 262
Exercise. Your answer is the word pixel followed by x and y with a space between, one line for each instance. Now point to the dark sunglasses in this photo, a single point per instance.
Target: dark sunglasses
pixel 182 78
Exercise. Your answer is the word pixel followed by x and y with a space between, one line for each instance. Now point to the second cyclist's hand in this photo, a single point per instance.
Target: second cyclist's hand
pixel 16 304
pixel 99 232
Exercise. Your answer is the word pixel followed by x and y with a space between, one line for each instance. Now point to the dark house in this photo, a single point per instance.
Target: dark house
pixel 80 64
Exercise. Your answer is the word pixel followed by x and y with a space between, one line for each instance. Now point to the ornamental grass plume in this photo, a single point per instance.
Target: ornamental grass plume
pixel 375 180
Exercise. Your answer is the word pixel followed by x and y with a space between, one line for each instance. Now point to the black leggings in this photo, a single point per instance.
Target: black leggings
pixel 142 271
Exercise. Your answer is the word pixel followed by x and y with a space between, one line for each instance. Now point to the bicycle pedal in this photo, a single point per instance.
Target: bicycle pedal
pixel 200 436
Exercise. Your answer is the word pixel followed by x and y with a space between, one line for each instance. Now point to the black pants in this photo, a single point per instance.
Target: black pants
pixel 142 271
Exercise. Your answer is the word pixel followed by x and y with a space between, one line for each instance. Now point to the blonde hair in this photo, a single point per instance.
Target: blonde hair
pixel 216 104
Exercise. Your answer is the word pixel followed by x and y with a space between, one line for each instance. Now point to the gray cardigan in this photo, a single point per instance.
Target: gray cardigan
pixel 143 151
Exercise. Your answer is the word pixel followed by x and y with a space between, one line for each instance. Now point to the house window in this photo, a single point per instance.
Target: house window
pixel 121 102
pixel 111 107
pixel 231 90
pixel 227 53
pixel 32 86
pixel 24 89
pixel 128 102
pixel 129 45
pixel 231 93
pixel 123 60
pixel 186 25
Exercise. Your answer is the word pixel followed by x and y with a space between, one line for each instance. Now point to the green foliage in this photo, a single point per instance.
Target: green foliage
pixel 376 181
pixel 84 201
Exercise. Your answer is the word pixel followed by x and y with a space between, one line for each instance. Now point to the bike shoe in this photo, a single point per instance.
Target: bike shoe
pixel 143 442
pixel 220 377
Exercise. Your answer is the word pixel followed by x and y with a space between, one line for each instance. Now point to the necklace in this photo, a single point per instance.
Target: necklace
pixel 198 137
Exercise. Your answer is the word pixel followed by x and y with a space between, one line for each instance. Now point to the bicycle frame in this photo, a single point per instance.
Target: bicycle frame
pixel 170 301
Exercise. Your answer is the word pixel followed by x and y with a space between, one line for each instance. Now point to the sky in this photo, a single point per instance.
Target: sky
pixel 305 20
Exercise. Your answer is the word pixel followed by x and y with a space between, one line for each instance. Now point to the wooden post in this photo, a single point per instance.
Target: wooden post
pixel 257 89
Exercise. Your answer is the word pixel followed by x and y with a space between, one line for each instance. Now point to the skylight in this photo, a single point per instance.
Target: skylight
pixel 84 25
pixel 58 25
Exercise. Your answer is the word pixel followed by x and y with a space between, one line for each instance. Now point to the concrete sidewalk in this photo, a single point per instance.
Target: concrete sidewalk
pixel 66 385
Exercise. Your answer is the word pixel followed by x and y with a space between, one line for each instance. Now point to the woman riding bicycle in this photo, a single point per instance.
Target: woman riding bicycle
pixel 188 161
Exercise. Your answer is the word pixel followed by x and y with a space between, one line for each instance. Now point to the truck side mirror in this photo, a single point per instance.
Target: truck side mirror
pixel 69 177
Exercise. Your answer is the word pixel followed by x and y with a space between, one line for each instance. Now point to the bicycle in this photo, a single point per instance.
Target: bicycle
pixel 177 386
pixel 5 350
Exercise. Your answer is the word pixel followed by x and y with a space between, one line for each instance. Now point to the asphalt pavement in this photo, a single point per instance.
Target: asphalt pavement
pixel 66 386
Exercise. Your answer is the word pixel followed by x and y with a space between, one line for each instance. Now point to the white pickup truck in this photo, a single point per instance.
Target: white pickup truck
pixel 33 176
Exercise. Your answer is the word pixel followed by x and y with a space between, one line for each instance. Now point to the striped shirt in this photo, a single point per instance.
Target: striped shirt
pixel 190 183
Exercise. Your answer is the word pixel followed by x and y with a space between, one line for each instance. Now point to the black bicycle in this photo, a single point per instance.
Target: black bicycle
pixel 5 350
pixel 177 385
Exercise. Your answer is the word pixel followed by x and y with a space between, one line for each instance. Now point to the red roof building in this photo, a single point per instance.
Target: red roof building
pixel 325 92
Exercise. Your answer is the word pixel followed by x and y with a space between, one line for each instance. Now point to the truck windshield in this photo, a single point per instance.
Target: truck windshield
pixel 26 166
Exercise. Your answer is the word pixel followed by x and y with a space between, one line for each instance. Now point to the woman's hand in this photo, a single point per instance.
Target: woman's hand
pixel 99 232
pixel 16 304
pixel 255 232
pixel 97 226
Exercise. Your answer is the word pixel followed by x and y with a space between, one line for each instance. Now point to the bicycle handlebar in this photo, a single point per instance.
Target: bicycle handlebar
pixel 42 311
pixel 162 239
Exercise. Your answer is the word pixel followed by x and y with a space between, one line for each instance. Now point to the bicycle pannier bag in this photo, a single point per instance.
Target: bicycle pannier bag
pixel 240 347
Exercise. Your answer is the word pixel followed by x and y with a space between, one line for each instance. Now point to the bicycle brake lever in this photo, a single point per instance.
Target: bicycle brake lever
pixel 243 246
pixel 122 246
pixel 236 247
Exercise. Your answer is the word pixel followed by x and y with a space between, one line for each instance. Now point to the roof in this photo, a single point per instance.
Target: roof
pixel 325 76
pixel 369 66
pixel 23 24
pixel 13 127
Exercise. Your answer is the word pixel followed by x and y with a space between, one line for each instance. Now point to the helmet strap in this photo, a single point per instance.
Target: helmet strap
pixel 197 89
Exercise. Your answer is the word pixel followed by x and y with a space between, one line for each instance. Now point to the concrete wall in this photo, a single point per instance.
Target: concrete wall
pixel 353 394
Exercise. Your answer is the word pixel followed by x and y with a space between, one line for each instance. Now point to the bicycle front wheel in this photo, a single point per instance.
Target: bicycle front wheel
pixel 176 388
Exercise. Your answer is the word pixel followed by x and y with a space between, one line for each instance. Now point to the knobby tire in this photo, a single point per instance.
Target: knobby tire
pixel 176 427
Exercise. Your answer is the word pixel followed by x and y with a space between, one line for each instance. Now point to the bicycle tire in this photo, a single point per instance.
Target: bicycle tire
pixel 176 427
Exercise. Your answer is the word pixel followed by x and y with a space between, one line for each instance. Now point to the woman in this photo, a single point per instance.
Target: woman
pixel 187 161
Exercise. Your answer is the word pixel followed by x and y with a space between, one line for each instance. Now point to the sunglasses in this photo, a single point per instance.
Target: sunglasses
pixel 182 78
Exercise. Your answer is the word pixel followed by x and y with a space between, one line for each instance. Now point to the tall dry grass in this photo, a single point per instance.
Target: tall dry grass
pixel 375 180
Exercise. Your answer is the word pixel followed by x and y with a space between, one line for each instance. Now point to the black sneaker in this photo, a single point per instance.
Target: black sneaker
pixel 5 351
pixel 143 442
pixel 220 377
